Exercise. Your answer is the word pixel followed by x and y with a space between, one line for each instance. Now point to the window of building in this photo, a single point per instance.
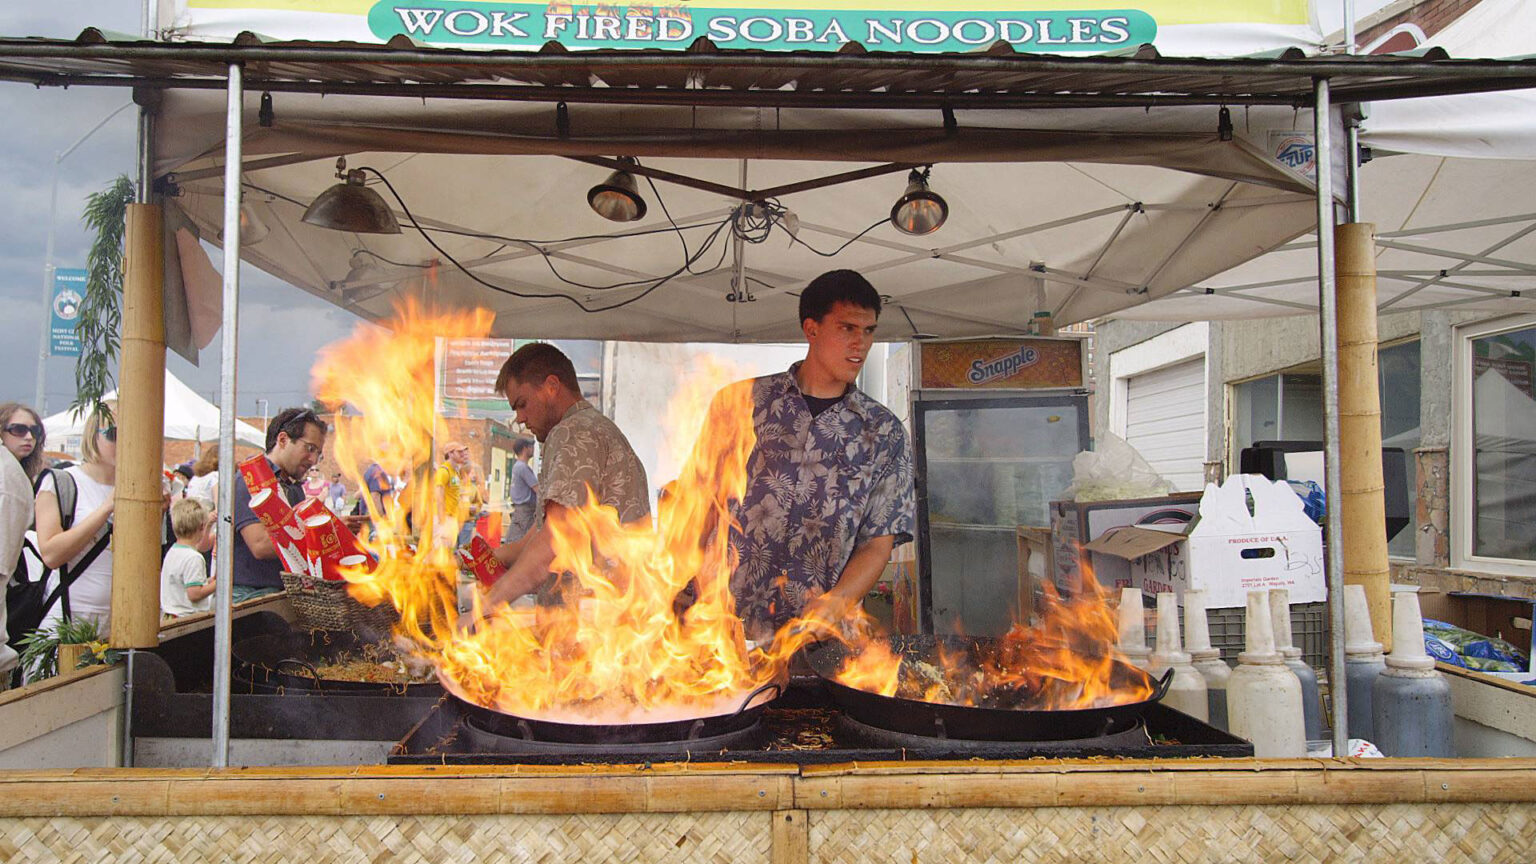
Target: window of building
pixel 1288 406
pixel 1495 443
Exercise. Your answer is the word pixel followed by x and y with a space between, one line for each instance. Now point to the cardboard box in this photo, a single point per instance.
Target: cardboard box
pixel 1073 524
pixel 1158 558
pixel 1229 551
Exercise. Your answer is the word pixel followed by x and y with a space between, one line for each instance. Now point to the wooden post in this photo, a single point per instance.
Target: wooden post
pixel 141 435
pixel 791 837
pixel 1362 487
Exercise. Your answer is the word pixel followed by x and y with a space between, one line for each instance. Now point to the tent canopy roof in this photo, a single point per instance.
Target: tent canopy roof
pixel 1135 192
pixel 707 75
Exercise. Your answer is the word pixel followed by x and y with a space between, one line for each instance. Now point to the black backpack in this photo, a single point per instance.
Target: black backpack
pixel 27 601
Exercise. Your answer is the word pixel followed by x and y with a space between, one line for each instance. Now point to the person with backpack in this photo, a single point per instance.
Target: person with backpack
pixel 20 459
pixel 76 541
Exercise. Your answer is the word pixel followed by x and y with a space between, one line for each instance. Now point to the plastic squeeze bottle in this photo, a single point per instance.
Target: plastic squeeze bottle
pixel 1187 690
pixel 1133 628
pixel 1263 695
pixel 1411 703
pixel 1206 660
pixel 1311 699
pixel 1363 661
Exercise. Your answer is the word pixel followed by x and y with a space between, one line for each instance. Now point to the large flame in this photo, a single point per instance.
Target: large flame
pixel 626 645
pixel 647 630
pixel 1066 661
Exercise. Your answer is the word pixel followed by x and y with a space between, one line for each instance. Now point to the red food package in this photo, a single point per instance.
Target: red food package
pixel 477 558
pixel 331 542
pixel 286 531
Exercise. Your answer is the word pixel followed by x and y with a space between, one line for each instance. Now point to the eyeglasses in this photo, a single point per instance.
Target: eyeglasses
pixel 22 430
pixel 110 433
pixel 310 448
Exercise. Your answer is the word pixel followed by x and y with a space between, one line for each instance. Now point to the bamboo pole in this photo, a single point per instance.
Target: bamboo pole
pixel 141 435
pixel 1364 512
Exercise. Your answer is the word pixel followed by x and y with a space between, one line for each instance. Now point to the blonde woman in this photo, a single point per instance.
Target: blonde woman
pixel 204 484
pixel 84 549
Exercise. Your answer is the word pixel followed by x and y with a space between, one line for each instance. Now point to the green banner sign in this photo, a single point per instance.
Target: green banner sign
pixel 514 25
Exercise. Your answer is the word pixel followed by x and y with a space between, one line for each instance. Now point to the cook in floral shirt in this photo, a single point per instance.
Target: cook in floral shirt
pixel 829 482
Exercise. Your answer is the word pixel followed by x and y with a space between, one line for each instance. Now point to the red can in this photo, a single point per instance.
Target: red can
pixel 331 542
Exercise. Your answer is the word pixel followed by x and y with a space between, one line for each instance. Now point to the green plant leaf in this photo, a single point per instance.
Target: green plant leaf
pixel 101 309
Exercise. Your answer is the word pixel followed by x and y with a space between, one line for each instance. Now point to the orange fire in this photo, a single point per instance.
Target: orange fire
pixel 1066 661
pixel 627 645
pixel 618 650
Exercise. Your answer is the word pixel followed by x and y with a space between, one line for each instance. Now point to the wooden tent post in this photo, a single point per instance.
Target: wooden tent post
pixel 141 433
pixel 1364 512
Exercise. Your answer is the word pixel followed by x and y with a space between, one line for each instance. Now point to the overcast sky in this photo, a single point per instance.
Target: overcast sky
pixel 40 123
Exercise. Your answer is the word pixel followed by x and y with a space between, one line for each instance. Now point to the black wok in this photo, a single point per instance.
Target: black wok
pixel 964 722
pixel 552 731
pixel 290 661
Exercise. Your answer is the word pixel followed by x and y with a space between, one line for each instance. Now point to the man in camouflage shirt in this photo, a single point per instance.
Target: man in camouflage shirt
pixel 582 450
pixel 829 482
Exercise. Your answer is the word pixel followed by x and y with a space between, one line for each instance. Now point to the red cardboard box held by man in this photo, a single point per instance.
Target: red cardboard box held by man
pixel 310 538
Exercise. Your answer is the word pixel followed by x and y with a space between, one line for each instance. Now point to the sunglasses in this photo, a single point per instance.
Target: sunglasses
pixel 21 430
pixel 110 433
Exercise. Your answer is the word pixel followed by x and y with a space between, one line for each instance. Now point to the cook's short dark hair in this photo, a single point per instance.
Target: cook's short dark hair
pixel 294 421
pixel 837 286
pixel 533 363
pixel 521 446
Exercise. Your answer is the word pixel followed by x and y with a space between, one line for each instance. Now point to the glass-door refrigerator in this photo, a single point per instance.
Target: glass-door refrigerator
pixel 996 424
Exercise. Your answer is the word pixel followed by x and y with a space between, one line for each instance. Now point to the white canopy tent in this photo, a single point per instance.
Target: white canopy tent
pixel 1449 191
pixel 188 417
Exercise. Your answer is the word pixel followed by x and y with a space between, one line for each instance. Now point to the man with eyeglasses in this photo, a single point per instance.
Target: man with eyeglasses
pixel 295 440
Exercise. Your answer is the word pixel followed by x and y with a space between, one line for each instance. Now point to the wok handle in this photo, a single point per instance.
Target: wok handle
pixel 1163 684
pixel 309 667
pixel 771 685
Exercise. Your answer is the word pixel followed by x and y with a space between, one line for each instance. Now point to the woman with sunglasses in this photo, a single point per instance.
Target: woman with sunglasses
pixel 22 434
pixel 95 477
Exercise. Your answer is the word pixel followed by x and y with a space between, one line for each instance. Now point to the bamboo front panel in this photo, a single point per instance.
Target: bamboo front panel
pixel 1300 834
pixel 719 838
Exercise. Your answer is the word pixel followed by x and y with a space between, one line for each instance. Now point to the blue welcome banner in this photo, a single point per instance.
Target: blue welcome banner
pixel 68 291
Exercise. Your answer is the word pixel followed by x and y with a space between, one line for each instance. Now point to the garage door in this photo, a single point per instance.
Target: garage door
pixel 1165 420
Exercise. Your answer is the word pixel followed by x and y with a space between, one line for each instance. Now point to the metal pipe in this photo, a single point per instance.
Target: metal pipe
pixel 1328 307
pixel 222 617
pixel 125 759
pixel 738 248
pixel 1352 169
pixel 1349 27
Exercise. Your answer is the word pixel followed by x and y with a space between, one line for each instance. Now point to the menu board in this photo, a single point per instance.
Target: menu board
pixel 1004 364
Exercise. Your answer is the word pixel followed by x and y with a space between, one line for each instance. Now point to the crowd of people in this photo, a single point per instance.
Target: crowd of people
pixel 829 490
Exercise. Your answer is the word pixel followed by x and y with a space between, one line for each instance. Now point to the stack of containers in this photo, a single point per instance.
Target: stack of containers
pixel 1311 698
pixel 1206 659
pixel 1363 661
pixel 1263 696
pixel 1187 691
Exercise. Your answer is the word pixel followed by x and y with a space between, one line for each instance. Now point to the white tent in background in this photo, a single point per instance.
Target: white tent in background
pixel 1449 193
pixel 188 417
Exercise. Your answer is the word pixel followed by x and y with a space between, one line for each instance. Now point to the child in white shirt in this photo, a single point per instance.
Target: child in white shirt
pixel 185 587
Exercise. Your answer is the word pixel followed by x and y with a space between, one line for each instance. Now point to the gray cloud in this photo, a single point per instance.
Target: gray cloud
pixel 281 326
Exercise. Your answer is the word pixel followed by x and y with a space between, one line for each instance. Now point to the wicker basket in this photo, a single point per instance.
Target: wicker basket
pixel 324 604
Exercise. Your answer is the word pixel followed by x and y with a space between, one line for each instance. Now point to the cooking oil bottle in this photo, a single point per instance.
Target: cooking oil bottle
pixel 1133 628
pixel 1206 660
pixel 1187 691
pixel 1311 700
pixel 1411 703
pixel 1362 662
pixel 1263 696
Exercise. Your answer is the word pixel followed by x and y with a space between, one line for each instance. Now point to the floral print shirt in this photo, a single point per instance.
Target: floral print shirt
pixel 817 489
pixel 585 449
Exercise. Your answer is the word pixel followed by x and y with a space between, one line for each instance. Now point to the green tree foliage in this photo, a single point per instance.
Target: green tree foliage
pixel 101 310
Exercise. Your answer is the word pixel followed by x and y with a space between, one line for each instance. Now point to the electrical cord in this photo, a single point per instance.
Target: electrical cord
pixel 654 284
